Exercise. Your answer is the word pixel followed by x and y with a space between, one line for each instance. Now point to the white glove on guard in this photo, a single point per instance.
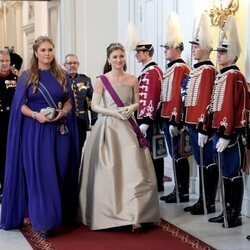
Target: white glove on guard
pixel 222 144
pixel 143 128
pixel 173 130
pixel 202 139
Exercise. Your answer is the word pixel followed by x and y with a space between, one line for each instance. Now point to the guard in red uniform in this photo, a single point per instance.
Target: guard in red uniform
pixel 230 110
pixel 149 97
pixel 198 88
pixel 172 106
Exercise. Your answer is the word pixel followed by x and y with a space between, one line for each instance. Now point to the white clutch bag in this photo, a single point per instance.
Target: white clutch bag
pixel 50 112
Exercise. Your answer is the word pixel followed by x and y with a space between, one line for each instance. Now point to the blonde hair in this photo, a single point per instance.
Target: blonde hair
pixel 56 70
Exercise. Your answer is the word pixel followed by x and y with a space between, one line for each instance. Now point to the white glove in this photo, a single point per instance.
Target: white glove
pixel 202 139
pixel 173 130
pixel 118 114
pixel 222 144
pixel 143 128
pixel 129 110
pixel 96 107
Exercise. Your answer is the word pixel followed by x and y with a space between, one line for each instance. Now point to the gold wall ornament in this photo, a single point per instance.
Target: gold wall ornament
pixel 218 14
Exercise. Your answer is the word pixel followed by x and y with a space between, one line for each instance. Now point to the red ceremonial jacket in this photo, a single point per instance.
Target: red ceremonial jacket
pixel 230 101
pixel 149 91
pixel 198 94
pixel 172 105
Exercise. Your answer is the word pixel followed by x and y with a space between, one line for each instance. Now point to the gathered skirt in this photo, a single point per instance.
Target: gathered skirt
pixel 117 179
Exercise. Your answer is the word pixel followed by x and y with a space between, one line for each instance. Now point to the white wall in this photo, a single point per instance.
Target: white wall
pixel 87 27
pixel 84 27
pixel 101 30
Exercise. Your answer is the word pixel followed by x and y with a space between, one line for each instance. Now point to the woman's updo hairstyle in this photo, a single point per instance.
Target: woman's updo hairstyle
pixel 111 48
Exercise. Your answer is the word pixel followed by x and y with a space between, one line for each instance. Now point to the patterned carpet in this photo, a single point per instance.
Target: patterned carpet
pixel 162 236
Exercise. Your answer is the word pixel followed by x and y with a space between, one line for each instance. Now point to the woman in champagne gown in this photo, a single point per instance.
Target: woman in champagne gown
pixel 117 181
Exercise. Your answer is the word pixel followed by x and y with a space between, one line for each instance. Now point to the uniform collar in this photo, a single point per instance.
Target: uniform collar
pixel 207 62
pixel 73 77
pixel 148 65
pixel 228 68
pixel 179 60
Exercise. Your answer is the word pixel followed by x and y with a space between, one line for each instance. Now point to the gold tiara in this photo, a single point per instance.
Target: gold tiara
pixel 44 37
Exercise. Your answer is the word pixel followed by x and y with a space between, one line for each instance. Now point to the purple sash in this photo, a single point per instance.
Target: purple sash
pixel 143 142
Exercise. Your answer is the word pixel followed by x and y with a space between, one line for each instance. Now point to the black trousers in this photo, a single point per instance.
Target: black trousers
pixel 83 127
pixel 158 163
pixel 4 118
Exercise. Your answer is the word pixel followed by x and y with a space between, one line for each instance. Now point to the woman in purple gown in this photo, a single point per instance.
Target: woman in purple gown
pixel 42 151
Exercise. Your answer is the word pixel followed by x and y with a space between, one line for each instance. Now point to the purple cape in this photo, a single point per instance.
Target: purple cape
pixel 41 165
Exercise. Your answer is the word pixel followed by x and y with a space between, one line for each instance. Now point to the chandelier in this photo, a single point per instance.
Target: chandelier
pixel 218 13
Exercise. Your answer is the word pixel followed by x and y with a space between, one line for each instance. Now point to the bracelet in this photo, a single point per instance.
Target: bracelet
pixel 65 111
pixel 33 115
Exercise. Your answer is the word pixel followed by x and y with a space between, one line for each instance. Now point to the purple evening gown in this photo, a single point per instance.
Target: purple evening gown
pixel 45 160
